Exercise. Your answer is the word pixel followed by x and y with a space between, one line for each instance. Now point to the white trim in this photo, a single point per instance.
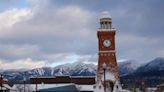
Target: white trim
pixel 107 51
pixel 112 29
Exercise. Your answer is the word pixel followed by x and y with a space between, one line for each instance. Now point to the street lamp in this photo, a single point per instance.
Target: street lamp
pixel 24 80
pixel 104 69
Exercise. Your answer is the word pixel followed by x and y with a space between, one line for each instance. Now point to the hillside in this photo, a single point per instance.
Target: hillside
pixel 151 74
pixel 131 72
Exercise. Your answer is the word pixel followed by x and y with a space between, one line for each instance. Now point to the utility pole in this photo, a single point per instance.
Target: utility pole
pixel 1 82
pixel 36 84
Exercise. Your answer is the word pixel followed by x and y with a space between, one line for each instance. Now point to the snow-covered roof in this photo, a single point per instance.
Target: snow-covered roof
pixel 6 86
pixel 85 87
pixel 112 29
pixel 153 88
pixel 82 76
pixel 105 14
pixel 40 86
pixel 64 76
pixel 47 86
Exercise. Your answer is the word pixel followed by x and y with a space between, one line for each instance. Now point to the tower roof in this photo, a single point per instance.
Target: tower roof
pixel 105 14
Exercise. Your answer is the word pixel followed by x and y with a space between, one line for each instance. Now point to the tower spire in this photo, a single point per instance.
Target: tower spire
pixel 105 14
pixel 105 21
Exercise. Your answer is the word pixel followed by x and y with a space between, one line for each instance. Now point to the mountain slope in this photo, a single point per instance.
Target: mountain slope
pixel 74 69
pixel 127 67
pixel 152 74
pixel 154 65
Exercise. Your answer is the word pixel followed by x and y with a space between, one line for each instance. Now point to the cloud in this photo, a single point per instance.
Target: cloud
pixel 27 63
pixel 60 27
pixel 137 47
pixel 65 31
pixel 88 58
pixel 10 17
pixel 11 52
pixel 49 36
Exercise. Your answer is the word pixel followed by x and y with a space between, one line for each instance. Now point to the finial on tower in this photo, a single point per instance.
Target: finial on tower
pixel 105 21
pixel 105 14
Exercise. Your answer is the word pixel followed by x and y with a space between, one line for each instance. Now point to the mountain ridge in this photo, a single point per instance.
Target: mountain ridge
pixel 127 69
pixel 151 74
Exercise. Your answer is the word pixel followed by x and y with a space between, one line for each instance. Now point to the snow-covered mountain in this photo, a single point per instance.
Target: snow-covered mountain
pixel 151 73
pixel 81 69
pixel 128 66
pixel 155 65
pixel 73 69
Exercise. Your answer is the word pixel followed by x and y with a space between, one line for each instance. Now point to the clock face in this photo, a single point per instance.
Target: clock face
pixel 107 43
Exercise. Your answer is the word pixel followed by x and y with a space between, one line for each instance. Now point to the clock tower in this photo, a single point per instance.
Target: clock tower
pixel 107 72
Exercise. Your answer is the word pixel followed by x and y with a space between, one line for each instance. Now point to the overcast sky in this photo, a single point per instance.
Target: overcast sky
pixel 36 33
